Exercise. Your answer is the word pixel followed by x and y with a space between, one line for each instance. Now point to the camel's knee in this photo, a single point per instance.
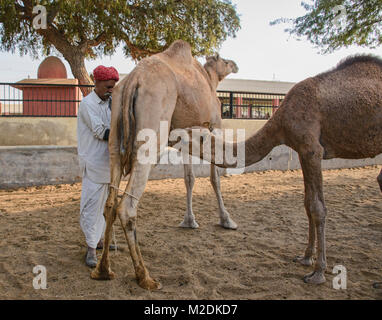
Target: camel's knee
pixel 213 177
pixel 112 200
pixel 190 179
pixel 316 210
pixel 111 204
pixel 129 224
pixel 319 217
pixel 127 213
pixel 189 176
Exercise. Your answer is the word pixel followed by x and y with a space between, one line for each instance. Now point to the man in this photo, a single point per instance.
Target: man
pixel 93 127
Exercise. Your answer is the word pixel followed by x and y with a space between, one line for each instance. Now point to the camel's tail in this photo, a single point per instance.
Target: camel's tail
pixel 127 128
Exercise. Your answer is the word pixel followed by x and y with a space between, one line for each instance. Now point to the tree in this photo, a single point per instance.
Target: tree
pixel 332 24
pixel 84 29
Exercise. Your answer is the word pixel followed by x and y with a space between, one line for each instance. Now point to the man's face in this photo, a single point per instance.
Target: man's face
pixel 104 89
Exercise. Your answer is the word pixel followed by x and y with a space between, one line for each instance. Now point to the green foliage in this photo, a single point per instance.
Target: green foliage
pixel 96 28
pixel 362 23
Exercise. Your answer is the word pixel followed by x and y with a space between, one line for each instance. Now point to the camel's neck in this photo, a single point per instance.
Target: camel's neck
pixel 262 142
pixel 214 77
pixel 256 147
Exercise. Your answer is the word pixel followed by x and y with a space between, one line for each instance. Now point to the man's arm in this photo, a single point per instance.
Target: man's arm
pixel 92 118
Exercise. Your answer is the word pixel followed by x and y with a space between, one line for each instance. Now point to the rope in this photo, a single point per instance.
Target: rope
pixel 114 187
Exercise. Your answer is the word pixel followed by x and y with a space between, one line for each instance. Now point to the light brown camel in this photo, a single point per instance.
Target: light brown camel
pixel 217 69
pixel 336 114
pixel 170 86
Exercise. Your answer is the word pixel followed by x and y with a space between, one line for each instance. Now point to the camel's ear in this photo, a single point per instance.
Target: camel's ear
pixel 216 57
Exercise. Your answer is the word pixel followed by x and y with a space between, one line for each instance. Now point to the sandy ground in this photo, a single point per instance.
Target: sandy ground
pixel 40 226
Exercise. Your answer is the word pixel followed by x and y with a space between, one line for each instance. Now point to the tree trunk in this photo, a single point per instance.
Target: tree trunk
pixel 76 61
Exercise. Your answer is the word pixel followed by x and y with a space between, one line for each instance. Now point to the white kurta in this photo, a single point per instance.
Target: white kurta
pixel 93 120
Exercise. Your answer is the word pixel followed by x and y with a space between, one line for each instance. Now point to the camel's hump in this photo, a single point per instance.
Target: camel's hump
pixel 358 58
pixel 352 60
pixel 179 50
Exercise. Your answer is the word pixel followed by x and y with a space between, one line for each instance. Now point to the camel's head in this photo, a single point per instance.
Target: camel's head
pixel 223 67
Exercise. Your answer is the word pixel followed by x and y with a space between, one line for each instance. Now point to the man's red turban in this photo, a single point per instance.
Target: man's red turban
pixel 102 73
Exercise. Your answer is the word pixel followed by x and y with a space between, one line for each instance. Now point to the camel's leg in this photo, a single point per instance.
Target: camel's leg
pixel 161 106
pixel 189 180
pixel 225 219
pixel 316 210
pixel 307 259
pixel 127 212
pixel 103 270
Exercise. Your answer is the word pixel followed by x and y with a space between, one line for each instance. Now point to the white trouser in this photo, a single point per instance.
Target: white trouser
pixel 93 199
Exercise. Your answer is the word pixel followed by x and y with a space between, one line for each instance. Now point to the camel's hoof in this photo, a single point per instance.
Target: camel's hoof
pixel 377 285
pixel 229 224
pixel 189 224
pixel 102 275
pixel 314 278
pixel 150 284
pixel 305 261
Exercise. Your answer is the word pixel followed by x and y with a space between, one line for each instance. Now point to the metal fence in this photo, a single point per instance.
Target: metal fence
pixel 62 100
pixel 249 105
pixel 40 100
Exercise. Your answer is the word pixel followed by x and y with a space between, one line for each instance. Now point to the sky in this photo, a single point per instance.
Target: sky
pixel 261 51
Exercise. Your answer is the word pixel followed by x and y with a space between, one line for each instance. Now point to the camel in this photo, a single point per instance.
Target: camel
pixel 336 114
pixel 217 69
pixel 171 86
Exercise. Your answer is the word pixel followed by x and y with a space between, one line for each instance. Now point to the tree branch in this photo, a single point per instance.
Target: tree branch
pixel 23 11
pixel 136 52
pixel 52 14
pixel 97 41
